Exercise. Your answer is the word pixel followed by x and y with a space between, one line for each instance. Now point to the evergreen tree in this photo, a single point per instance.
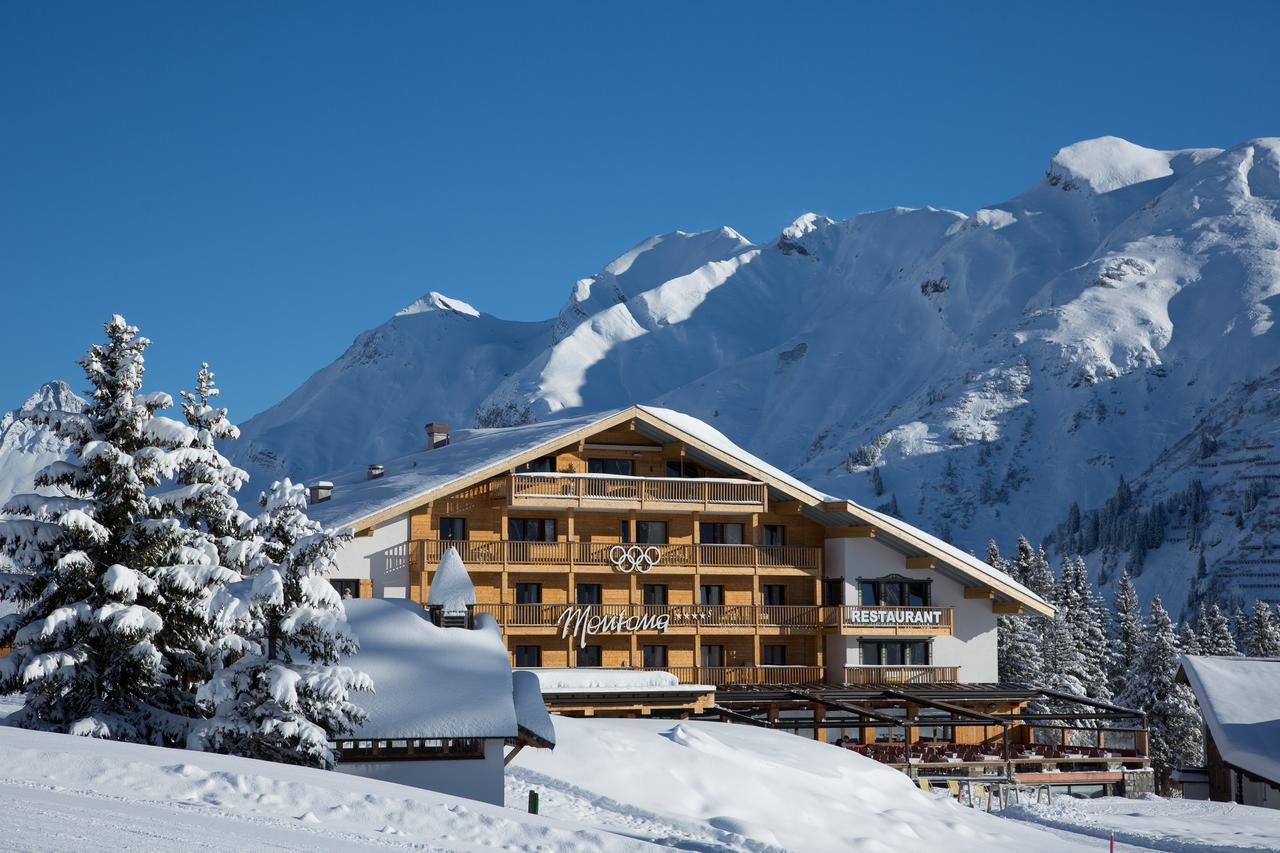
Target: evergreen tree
pixel 1172 716
pixel 1126 633
pixel 1264 632
pixel 1188 642
pixel 1018 637
pixel 286 697
pixel 1215 634
pixel 217 537
pixel 96 563
pixel 1240 629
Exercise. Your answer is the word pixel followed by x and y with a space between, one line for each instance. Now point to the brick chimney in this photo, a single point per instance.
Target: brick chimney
pixel 437 434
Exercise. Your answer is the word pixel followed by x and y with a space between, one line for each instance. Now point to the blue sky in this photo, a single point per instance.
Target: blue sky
pixel 254 184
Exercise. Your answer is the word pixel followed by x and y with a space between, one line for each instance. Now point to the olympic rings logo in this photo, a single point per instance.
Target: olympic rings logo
pixel 634 558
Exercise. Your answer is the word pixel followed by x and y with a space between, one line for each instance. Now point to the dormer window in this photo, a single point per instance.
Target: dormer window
pixel 893 592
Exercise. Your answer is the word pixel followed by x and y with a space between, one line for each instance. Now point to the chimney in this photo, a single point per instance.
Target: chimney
pixel 437 434
pixel 375 471
pixel 321 491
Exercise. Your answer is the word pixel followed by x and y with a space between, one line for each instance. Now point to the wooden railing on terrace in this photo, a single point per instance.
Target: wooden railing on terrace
pixel 680 615
pixel 425 553
pixel 576 489
pixel 720 676
pixel 871 675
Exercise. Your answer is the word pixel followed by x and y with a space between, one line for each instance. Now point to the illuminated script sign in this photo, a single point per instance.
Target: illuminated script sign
pixel 634 558
pixel 585 622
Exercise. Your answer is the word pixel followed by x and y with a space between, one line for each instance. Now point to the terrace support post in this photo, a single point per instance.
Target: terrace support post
pixel 819 716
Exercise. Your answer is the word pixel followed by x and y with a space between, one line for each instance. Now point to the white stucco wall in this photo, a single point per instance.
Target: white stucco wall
pixel 478 779
pixel 973 644
pixel 382 557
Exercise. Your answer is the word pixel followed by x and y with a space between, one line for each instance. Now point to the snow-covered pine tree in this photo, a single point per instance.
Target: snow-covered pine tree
pixel 84 637
pixel 287 697
pixel 1126 633
pixel 1188 641
pixel 1172 716
pixel 218 541
pixel 1018 641
pixel 1240 629
pixel 1215 634
pixel 1264 632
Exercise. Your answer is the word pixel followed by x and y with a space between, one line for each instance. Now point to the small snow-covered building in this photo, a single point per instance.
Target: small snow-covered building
pixel 1240 700
pixel 446 702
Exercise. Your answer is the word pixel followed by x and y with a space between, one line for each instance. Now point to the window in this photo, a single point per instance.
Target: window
pixel 895 653
pixel 775 535
pixel 588 593
pixel 624 530
pixel 528 655
pixel 887 592
pixel 719 533
pixel 651 532
pixel 531 529
pixel 589 656
pixel 655 594
pixel 655 655
pixel 453 529
pixel 611 467
pixel 528 593
pixel 683 468
pixel 774 655
pixel 713 656
pixel 774 594
pixel 346 588
pixel 833 592
pixel 545 465
pixel 712 595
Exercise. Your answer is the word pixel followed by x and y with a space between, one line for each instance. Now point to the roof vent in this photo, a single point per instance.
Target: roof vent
pixel 375 471
pixel 437 434
pixel 321 491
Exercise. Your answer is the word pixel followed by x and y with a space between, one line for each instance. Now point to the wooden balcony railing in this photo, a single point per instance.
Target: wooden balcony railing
pixel 721 676
pixel 680 615
pixel 532 489
pixel 894 621
pixel 425 553
pixel 872 675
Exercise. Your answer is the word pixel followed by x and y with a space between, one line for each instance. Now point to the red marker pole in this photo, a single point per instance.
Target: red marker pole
pixel 1113 842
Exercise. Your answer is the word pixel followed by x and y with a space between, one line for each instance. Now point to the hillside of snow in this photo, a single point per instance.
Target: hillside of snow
pixel 26 447
pixel 717 786
pixel 975 373
pixel 69 793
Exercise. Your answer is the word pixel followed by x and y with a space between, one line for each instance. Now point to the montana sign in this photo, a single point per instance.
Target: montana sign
pixel 584 622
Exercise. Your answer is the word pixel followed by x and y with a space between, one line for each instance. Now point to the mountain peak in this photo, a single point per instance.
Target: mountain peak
pixel 1107 163
pixel 52 396
pixel 434 301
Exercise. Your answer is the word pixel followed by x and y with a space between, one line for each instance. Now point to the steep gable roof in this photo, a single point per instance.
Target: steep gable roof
pixel 1240 700
pixel 475 455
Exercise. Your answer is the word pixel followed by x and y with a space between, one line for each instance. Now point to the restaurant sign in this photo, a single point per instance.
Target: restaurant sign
pixel 893 616
pixel 585 622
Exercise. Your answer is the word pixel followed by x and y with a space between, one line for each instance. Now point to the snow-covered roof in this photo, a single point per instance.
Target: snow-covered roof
pixel 451 587
pixel 429 682
pixel 474 453
pixel 599 680
pixel 531 708
pixel 1240 700
pixel 355 497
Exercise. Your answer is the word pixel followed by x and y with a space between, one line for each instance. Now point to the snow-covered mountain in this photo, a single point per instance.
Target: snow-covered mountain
pixel 26 447
pixel 976 373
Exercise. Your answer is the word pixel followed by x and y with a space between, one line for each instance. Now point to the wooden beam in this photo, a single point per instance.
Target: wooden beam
pixel 979 592
pixel 787 507
pixel 834 506
pixel 864 531
pixel 363 532
pixel 921 563
pixel 1013 608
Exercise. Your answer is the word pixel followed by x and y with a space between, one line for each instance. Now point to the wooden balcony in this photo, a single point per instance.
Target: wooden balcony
pixel 873 675
pixel 653 494
pixel 896 621
pixel 680 616
pixel 721 676
pixel 425 553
